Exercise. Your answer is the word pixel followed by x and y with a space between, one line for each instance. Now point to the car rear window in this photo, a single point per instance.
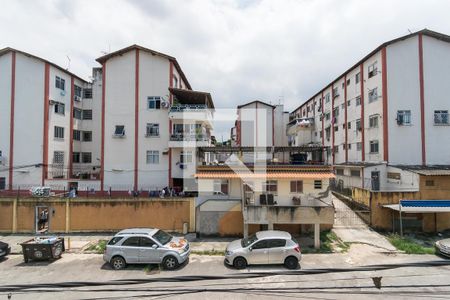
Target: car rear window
pixel 115 240
pixel 277 243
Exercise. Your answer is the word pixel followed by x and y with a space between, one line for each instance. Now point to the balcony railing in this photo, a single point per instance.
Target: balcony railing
pixel 188 108
pixel 181 137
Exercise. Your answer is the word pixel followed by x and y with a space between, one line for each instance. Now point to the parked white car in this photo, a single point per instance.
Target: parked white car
pixel 264 247
pixel 443 247
pixel 146 246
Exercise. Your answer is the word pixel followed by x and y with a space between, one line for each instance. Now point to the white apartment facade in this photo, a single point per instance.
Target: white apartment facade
pixel 388 110
pixel 152 122
pixel 37 101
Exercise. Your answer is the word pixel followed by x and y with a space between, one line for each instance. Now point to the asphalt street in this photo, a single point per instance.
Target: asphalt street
pixel 321 276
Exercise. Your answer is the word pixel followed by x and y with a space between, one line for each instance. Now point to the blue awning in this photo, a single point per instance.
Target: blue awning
pixel 421 206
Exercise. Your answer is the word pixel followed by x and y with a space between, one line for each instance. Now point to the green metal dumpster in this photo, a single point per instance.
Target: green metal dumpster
pixel 43 248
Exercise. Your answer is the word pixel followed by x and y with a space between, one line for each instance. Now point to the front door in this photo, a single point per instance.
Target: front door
pixel 375 176
pixel 277 251
pixel 259 253
pixel 42 219
pixel 147 252
pixel 130 248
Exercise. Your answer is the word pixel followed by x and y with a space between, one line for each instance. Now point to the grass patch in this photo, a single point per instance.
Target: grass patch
pixel 329 243
pixel 209 252
pixel 98 247
pixel 408 245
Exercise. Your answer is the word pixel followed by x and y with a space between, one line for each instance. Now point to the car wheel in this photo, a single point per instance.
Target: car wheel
pixel 170 263
pixel 118 263
pixel 239 263
pixel 291 263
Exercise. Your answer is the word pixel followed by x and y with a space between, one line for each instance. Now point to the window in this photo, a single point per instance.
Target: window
pixel 115 240
pixel 349 102
pixel 77 113
pixel 349 125
pixel 154 102
pixel 392 175
pixel 87 114
pixel 343 85
pixel 343 106
pixel 355 173
pixel 373 95
pixel 261 245
pixel 336 128
pixel 335 92
pixel 152 157
pixel 59 132
pixel 76 135
pixel 336 149
pixel 277 243
pixel 358 125
pixel 429 182
pixel 373 70
pixel 336 112
pixel 317 184
pixel 343 126
pixel 87 136
pixel 327 98
pixel 186 157
pixel 349 146
pixel 58 157
pixel 357 78
pixel 120 130
pixel 340 172
pixel 373 121
pixel 78 93
pixel 131 242
pixel 86 157
pixel 297 186
pixel 60 83
pixel 175 81
pixel 348 82
pixel 220 187
pixel 152 129
pixel 270 186
pixel 76 157
pixel 358 101
pixel 60 108
pixel 2 183
pixel 441 117
pixel 146 242
pixel 87 93
pixel 358 146
pixel 374 146
pixel 327 116
pixel 404 117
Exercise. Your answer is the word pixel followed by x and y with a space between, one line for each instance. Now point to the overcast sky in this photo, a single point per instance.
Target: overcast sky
pixel 238 50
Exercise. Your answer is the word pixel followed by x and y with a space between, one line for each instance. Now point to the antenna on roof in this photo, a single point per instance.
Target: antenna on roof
pixel 409 30
pixel 68 63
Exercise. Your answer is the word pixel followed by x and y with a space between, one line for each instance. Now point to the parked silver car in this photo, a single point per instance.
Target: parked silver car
pixel 443 247
pixel 264 247
pixel 144 246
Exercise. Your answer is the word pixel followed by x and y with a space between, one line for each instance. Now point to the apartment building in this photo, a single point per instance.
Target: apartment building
pixel 42 140
pixel 152 122
pixel 388 111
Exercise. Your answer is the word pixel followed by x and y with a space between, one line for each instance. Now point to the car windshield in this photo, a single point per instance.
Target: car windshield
pixel 249 240
pixel 162 237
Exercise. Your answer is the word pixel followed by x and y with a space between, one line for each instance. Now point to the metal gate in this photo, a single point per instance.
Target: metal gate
pixel 348 214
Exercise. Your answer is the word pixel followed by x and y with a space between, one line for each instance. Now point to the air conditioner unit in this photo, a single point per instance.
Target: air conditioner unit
pixel 77 98
pixel 2 160
pixel 63 93
pixel 165 104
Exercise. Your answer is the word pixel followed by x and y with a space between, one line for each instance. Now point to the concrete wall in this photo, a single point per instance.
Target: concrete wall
pixel 220 217
pixel 289 215
pixel 89 215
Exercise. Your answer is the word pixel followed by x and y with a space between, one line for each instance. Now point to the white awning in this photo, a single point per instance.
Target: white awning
pixel 396 207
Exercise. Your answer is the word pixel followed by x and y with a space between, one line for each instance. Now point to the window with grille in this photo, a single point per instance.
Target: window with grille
pixel 336 149
pixel 358 125
pixel 186 157
pixel 58 157
pixel 87 114
pixel 441 117
pixel 76 157
pixel 355 173
pixel 270 186
pixel 86 157
pixel 357 78
pixel 340 172
pixel 404 117
pixel 152 157
pixel 87 136
pixel 77 113
pixel 60 108
pixel 152 129
pixel 87 93
pixel 297 186
pixel 373 95
pixel 60 83
pixel 317 184
pixel 120 130
pixel 59 132
pixel 327 98
pixel 374 146
pixel 373 70
pixel 78 92
pixel 154 102
pixel 349 125
pixel 358 101
pixel 76 135
pixel 373 121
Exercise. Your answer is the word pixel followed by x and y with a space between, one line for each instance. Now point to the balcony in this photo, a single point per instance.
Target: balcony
pixel 184 140
pixel 299 124
pixel 191 113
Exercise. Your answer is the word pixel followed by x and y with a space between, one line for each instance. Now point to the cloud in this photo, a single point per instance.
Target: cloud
pixel 237 50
